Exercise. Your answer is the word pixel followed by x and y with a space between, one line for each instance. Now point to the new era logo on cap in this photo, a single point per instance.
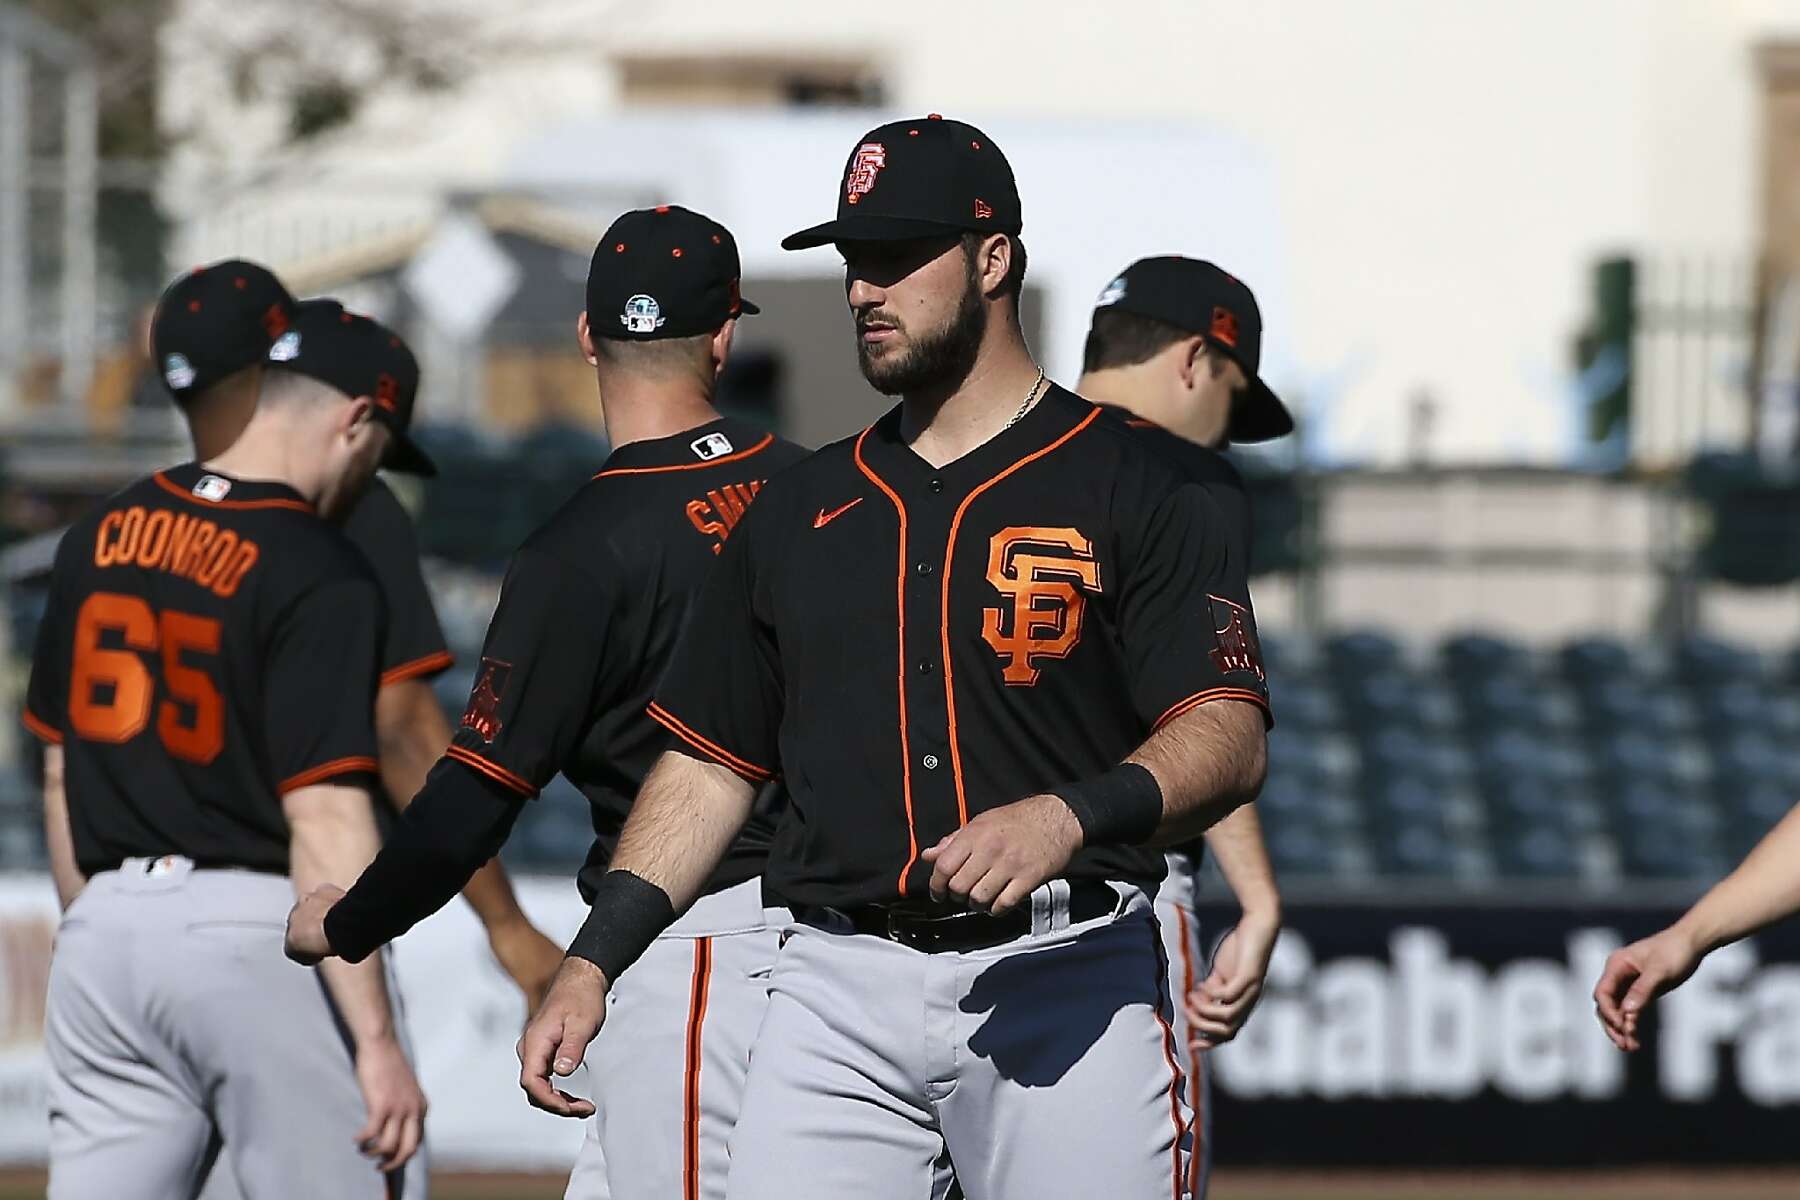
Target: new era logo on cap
pixel 286 347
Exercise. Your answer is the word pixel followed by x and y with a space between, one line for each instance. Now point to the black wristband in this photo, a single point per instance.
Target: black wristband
pixel 1123 807
pixel 628 913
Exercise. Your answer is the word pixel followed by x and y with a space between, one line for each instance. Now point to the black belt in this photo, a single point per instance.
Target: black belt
pixel 935 928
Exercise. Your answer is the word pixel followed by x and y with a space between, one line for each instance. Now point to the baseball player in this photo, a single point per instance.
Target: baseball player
pixel 204 678
pixel 1174 345
pixel 587 619
pixel 1762 891
pixel 410 728
pixel 974 640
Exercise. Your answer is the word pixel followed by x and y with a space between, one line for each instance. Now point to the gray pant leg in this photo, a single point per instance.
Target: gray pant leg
pixel 1069 1082
pixel 587 1180
pixel 279 1063
pixel 669 1066
pixel 222 1182
pixel 836 1104
pixel 127 1118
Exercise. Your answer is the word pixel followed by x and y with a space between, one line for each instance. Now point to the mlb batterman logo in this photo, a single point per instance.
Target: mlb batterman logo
pixel 870 158
pixel 1112 293
pixel 178 371
pixel 642 314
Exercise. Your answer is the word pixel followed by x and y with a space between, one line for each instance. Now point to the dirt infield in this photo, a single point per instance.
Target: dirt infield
pixel 1647 1184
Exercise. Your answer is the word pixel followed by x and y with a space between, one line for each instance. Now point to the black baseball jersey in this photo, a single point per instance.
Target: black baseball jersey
pixel 210 645
pixel 589 614
pixel 379 527
pixel 1226 487
pixel 911 645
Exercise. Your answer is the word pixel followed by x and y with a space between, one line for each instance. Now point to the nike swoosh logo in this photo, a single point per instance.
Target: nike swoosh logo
pixel 825 518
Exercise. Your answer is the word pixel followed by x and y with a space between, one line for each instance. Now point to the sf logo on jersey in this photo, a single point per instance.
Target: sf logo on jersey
pixel 1044 575
pixel 870 158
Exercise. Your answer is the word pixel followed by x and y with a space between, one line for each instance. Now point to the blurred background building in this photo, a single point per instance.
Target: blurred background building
pixel 1530 273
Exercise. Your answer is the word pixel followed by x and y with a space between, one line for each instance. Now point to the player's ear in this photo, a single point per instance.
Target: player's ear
pixel 356 416
pixel 1190 356
pixel 721 345
pixel 993 263
pixel 585 337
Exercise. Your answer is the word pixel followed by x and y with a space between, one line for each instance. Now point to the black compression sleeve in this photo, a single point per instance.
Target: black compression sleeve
pixel 456 823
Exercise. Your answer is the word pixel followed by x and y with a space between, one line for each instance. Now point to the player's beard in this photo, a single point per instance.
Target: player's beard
pixel 936 360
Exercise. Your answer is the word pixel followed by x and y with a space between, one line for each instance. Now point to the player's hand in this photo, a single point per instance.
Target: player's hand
pixel 557 1037
pixel 395 1101
pixel 306 942
pixel 1218 1008
pixel 1636 975
pixel 996 860
pixel 528 957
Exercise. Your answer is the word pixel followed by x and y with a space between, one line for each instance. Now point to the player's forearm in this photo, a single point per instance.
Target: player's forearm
pixel 61 842
pixel 332 836
pixel 685 818
pixel 1764 889
pixel 682 823
pixel 1207 762
pixel 458 822
pixel 413 732
pixel 1236 844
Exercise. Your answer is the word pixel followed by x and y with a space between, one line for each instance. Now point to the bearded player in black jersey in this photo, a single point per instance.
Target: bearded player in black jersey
pixel 204 678
pixel 214 369
pixel 588 616
pixel 1174 347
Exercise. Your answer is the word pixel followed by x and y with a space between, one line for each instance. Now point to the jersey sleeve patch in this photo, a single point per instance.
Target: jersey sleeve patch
pixel 709 748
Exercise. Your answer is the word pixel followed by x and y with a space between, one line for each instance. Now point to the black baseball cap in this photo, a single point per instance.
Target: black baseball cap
pixel 214 322
pixel 922 178
pixel 359 357
pixel 1204 299
pixel 664 272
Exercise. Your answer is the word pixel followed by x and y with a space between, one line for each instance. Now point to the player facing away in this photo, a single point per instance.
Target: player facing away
pixel 204 676
pixel 587 619
pixel 410 728
pixel 973 640
pixel 1174 345
pixel 1764 889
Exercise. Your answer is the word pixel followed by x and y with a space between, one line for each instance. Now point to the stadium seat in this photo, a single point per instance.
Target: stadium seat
pixel 1701 661
pixel 1537 853
pixel 1588 661
pixel 1362 653
pixel 1478 657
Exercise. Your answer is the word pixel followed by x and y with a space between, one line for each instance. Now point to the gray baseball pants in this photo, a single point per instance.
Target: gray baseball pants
pixel 1044 1066
pixel 178 1035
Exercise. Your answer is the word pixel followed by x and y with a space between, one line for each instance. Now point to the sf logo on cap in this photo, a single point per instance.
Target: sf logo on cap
pixel 870 158
pixel 642 314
